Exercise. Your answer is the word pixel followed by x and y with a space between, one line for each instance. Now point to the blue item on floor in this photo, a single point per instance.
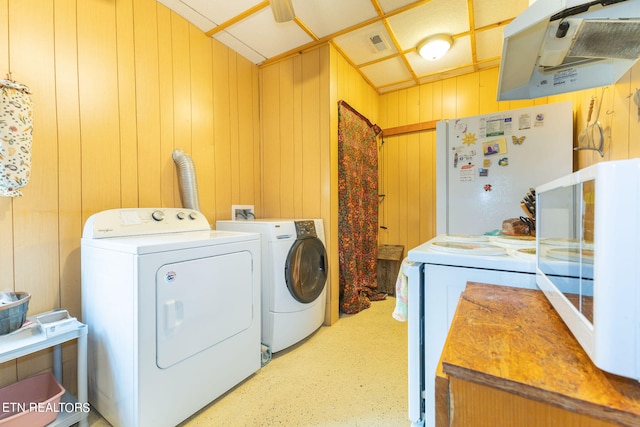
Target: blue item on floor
pixel 266 355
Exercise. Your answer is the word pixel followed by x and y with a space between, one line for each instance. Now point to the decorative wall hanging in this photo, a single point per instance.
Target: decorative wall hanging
pixel 16 132
pixel 357 209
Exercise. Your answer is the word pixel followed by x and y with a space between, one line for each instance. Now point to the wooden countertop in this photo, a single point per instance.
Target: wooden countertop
pixel 512 339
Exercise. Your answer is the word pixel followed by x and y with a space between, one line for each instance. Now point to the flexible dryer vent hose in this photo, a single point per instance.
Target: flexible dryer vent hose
pixel 186 179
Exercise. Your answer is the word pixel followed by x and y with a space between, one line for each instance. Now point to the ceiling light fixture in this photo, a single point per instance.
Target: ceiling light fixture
pixel 282 10
pixel 435 47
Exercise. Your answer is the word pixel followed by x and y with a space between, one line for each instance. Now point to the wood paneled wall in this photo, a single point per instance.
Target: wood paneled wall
pixel 299 120
pixel 407 162
pixel 349 86
pixel 117 86
pixel 619 116
pixel 296 152
pixel 295 157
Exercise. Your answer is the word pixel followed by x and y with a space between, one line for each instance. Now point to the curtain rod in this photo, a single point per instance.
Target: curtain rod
pixel 375 127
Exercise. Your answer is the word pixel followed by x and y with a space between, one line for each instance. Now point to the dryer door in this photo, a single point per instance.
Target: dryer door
pixel 305 270
pixel 200 303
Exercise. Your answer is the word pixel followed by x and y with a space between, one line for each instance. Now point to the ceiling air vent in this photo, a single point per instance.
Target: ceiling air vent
pixel 378 43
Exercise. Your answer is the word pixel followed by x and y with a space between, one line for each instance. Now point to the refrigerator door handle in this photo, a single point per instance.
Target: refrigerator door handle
pixel 442 176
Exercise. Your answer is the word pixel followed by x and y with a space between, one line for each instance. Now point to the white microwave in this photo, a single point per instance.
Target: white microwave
pixel 588 259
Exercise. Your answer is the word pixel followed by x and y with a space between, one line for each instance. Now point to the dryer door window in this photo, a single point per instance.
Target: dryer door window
pixel 306 269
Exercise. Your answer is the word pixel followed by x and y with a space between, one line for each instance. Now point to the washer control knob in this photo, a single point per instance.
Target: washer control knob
pixel 157 215
pixel 181 215
pixel 193 215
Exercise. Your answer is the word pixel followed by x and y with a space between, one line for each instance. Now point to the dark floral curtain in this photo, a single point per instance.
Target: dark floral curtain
pixel 357 209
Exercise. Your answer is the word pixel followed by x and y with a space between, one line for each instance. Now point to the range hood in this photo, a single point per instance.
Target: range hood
pixel 559 46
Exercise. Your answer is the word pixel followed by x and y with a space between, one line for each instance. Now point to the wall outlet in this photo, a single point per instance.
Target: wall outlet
pixel 242 212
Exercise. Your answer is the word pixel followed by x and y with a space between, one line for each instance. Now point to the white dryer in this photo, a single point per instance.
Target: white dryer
pixel 294 276
pixel 174 313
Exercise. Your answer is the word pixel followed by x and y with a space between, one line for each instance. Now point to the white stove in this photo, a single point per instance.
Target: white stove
pixel 438 272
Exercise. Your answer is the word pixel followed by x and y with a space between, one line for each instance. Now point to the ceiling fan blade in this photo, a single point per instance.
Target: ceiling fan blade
pixel 282 10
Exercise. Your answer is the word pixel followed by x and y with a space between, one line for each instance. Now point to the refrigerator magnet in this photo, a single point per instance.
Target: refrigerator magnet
pixel 483 172
pixel 461 126
pixel 494 126
pixel 468 172
pixel 487 187
pixel 494 146
pixel 503 161
pixel 524 122
pixel 469 138
pixel 518 140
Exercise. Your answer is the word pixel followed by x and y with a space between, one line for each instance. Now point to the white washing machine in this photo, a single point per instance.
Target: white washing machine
pixel 174 313
pixel 294 276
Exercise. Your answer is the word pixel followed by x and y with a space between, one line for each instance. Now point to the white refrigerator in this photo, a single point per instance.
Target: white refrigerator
pixel 486 164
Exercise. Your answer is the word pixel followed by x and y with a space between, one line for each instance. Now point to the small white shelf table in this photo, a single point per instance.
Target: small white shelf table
pixel 32 339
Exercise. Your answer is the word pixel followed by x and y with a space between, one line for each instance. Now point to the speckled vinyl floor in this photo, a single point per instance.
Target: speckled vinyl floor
pixel 353 373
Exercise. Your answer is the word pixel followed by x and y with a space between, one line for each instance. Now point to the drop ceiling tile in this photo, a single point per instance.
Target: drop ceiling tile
pixel 489 43
pixel 459 55
pixel 267 37
pixel 387 72
pixel 189 14
pixel 358 46
pixel 325 17
pixel 235 44
pixel 220 11
pixel 391 5
pixel 413 26
pixel 487 12
pixel 259 38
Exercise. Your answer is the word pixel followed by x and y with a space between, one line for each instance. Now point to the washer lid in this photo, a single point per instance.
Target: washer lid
pixel 305 270
pixel 154 243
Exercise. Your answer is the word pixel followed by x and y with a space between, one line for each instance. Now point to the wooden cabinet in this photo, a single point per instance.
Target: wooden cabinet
pixel 389 262
pixel 509 360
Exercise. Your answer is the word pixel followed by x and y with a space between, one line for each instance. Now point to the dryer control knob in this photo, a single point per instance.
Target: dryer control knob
pixel 181 215
pixel 157 215
pixel 193 215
